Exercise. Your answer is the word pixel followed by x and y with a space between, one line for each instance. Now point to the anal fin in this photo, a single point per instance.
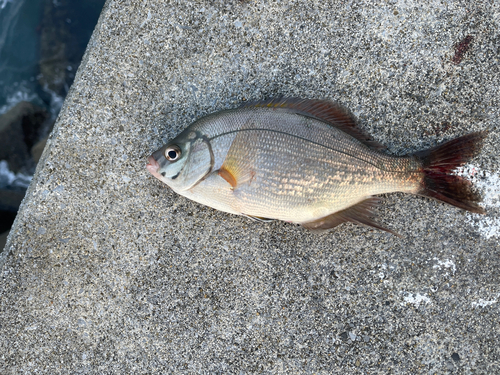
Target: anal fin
pixel 259 219
pixel 360 213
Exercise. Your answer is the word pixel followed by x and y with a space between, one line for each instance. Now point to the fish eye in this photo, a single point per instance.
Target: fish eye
pixel 172 153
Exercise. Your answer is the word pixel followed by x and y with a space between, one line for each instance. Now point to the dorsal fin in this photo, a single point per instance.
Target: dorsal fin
pixel 324 110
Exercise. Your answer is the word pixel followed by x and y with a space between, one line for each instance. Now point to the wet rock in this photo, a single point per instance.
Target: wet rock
pixel 19 131
pixel 10 201
pixel 6 221
pixel 3 240
pixel 54 40
pixel 37 149
pixel 63 39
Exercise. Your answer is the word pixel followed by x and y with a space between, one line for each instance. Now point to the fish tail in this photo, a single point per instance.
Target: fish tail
pixel 438 164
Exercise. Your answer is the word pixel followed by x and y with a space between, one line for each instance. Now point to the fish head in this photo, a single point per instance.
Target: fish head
pixel 182 162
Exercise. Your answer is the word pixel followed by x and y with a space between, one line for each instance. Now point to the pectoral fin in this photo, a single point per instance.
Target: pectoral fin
pixel 235 176
pixel 360 213
pixel 238 166
pixel 228 176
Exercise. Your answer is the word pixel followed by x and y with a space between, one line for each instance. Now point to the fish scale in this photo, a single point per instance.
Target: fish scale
pixel 304 161
pixel 335 171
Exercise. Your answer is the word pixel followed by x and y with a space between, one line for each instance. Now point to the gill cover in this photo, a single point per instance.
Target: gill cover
pixel 197 162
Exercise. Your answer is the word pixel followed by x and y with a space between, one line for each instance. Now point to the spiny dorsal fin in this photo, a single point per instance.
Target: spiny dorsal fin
pixel 324 110
pixel 360 213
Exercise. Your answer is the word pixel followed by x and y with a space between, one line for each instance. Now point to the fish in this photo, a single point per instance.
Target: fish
pixel 308 162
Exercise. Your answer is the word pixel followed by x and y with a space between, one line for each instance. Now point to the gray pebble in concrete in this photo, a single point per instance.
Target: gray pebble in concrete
pixel 108 271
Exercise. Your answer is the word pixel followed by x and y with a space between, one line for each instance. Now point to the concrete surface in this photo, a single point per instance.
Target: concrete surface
pixel 108 271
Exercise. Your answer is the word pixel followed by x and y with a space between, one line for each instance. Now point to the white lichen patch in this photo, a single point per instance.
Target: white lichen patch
pixel 447 263
pixel 483 303
pixel 489 186
pixel 415 299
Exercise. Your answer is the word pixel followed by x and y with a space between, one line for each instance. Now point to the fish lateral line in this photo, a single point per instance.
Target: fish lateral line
pixel 315 143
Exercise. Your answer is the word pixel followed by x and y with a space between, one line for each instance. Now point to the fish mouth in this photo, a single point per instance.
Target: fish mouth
pixel 153 167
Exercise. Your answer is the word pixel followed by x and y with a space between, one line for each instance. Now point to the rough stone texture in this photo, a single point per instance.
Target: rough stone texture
pixel 108 271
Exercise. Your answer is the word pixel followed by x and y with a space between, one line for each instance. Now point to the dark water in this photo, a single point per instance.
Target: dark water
pixel 19 50
pixel 41 46
pixel 32 33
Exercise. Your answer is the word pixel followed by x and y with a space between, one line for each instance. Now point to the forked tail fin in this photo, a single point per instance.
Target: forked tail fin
pixel 438 164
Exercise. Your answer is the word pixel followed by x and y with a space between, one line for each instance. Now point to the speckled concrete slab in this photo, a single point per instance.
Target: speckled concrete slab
pixel 108 271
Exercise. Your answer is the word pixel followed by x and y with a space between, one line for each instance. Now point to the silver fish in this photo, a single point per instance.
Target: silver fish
pixel 304 161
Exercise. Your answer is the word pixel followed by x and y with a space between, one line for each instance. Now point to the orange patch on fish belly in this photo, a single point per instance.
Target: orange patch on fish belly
pixel 228 176
pixel 234 179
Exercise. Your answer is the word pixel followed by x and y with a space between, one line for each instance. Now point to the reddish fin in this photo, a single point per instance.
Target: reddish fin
pixel 438 164
pixel 359 214
pixel 325 110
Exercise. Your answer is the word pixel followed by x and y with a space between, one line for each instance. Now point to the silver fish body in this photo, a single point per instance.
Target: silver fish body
pixel 301 161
